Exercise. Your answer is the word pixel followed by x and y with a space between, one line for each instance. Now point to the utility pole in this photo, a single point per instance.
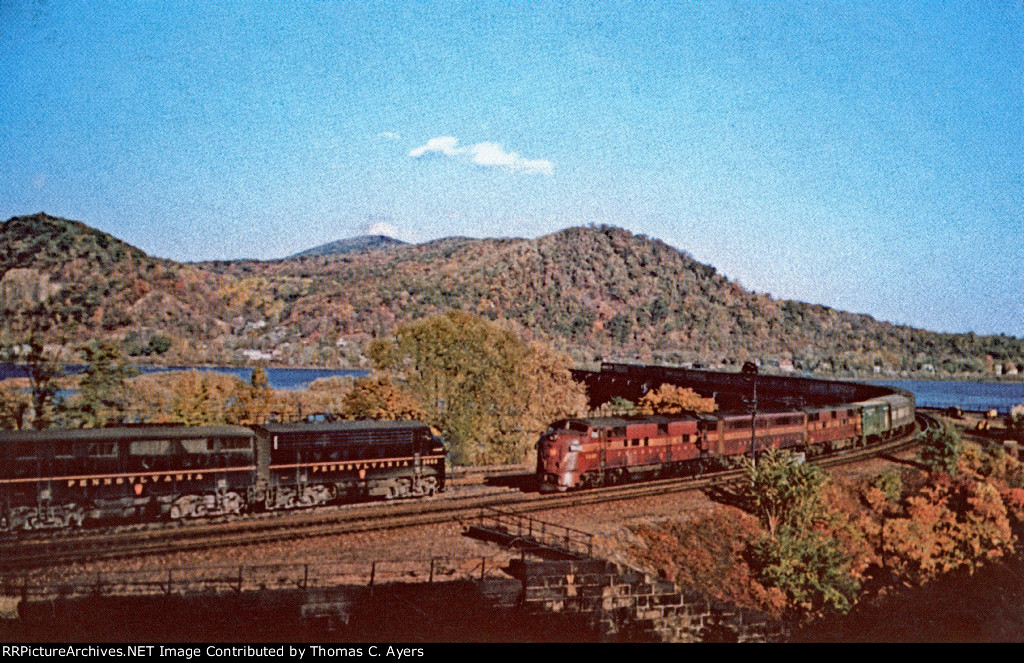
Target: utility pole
pixel 750 370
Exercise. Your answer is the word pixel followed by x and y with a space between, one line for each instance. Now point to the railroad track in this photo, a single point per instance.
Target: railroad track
pixel 64 550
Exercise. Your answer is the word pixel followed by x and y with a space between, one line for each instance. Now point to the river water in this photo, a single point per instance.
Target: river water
pixel 999 396
pixel 280 378
pixel 979 396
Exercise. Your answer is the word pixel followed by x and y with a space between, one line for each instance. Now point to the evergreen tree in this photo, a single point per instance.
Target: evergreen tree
pixel 102 396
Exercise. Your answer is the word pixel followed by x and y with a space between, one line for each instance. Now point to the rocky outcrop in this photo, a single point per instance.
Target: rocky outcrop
pixel 25 287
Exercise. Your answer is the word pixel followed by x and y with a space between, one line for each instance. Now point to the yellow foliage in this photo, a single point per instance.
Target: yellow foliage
pixel 670 399
pixel 376 397
pixel 482 385
pixel 15 404
pixel 184 397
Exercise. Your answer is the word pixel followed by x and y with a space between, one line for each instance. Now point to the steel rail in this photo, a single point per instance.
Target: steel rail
pixel 375 517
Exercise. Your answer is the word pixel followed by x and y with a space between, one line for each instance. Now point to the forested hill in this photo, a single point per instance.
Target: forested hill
pixel 598 292
pixel 351 245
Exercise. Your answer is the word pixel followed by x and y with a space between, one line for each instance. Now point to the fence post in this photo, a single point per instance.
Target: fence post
pixel 373 572
pixel 483 567
pixel 305 576
pixel 431 581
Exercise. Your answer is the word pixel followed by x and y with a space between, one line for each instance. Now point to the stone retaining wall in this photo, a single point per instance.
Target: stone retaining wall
pixel 626 604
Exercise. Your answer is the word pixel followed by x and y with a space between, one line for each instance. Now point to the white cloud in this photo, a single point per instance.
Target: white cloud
pixel 486 154
pixel 536 166
pixel 382 228
pixel 390 135
pixel 442 145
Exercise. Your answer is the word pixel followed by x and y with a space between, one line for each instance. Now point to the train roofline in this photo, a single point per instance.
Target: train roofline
pixel 338 426
pixel 123 433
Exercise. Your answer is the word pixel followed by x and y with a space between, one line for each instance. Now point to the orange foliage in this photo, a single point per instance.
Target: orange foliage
pixel 947 526
pixel 376 397
pixel 853 529
pixel 670 399
pixel 708 555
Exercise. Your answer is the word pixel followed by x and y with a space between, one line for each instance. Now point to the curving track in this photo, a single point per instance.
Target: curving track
pixel 85 546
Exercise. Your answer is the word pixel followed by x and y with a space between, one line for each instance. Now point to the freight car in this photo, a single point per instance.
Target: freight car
pixel 56 478
pixel 580 453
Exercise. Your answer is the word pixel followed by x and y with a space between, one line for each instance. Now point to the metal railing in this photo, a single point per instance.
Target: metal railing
pixel 254 577
pixel 530 530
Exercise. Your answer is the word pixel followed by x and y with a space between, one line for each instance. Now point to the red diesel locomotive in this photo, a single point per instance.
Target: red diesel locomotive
pixel 597 451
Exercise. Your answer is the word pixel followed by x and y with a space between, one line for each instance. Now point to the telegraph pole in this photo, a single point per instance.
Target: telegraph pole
pixel 750 370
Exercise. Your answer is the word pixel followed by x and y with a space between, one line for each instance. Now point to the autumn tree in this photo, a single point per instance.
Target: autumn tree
pixel 252 403
pixel 489 392
pixel 184 397
pixel 44 374
pixel 15 405
pixel 798 556
pixel 780 491
pixel 376 397
pixel 323 396
pixel 811 569
pixel 709 555
pixel 102 396
pixel 670 399
pixel 946 525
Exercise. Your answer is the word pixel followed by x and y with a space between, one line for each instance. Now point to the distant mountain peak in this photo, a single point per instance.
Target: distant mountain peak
pixel 351 245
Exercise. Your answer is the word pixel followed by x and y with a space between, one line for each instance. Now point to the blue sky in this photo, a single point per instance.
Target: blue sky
pixel 866 156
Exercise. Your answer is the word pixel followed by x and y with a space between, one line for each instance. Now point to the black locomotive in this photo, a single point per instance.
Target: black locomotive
pixel 57 478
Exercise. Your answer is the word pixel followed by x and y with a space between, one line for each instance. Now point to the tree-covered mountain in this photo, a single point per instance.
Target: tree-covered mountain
pixel 598 292
pixel 351 245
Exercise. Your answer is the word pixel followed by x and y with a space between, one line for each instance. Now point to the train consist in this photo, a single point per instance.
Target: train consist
pixel 57 478
pixel 588 452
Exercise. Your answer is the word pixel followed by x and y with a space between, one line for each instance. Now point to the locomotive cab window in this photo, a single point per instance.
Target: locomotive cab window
pixel 103 449
pixel 150 448
pixel 198 446
pixel 234 444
